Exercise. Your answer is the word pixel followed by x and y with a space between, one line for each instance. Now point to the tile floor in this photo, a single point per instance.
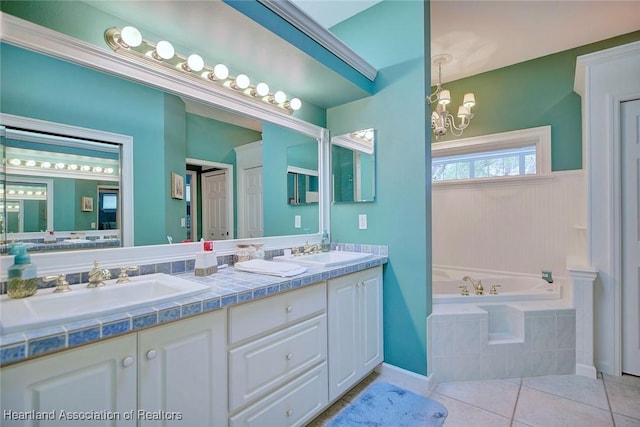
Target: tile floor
pixel 547 401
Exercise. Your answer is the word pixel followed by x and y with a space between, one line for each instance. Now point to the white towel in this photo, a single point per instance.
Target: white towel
pixel 260 266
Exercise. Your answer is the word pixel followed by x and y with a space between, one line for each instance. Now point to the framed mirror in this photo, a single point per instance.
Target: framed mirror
pixel 353 169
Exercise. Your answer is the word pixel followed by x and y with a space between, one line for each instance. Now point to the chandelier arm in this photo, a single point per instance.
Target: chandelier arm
pixel 450 123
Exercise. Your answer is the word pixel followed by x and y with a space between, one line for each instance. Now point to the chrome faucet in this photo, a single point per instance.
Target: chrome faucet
pixel 477 284
pixel 97 275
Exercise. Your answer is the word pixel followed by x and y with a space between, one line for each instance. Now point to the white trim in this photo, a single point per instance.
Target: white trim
pixel 126 158
pixel 34 180
pixel 302 171
pixel 296 17
pixel 193 189
pixel 415 382
pixel 604 79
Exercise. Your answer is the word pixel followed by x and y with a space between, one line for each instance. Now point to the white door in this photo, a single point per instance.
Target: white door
pixel 253 202
pixel 214 206
pixel 371 303
pixel 630 164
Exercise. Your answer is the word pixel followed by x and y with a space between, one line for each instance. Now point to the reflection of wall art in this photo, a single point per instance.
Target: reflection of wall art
pixel 87 204
pixel 177 186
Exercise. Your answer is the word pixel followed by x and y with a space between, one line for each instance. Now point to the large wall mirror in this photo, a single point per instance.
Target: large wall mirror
pixel 353 171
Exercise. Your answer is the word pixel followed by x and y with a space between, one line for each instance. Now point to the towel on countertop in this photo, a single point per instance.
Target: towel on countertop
pixel 260 266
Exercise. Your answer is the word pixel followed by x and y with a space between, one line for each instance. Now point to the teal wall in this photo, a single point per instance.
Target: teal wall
pixel 534 93
pixel 281 216
pixel 393 34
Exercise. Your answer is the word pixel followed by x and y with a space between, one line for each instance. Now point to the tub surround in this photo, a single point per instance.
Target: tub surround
pixel 228 287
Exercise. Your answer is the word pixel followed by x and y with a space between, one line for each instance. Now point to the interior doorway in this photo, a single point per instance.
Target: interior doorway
pixel 210 211
pixel 108 208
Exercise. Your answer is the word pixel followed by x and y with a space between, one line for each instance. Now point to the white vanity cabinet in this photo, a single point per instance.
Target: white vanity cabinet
pixel 277 359
pixel 182 367
pixel 354 310
pixel 88 380
pixel 166 375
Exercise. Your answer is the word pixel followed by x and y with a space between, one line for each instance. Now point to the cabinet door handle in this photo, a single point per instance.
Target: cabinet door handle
pixel 128 361
pixel 289 356
pixel 289 309
pixel 289 412
pixel 151 354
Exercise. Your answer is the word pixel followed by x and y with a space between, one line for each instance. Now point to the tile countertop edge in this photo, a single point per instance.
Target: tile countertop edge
pixel 20 346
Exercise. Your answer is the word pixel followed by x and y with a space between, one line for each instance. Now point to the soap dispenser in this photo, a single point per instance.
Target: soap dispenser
pixel 325 243
pixel 22 275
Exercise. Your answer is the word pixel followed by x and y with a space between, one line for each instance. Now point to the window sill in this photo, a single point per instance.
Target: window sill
pixel 518 180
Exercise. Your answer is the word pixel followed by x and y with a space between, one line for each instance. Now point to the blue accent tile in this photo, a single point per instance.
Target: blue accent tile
pixel 13 353
pixel 163 267
pixel 229 300
pixel 147 269
pixel 116 328
pixel 178 267
pixel 296 283
pixel 144 320
pixel 169 315
pixel 273 289
pixel 47 344
pixel 260 292
pixel 211 304
pixel 245 296
pixel 191 309
pixel 82 336
pixel 285 286
pixel 190 264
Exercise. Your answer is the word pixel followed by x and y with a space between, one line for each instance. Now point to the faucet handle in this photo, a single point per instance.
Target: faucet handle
pixel 123 277
pixel 493 290
pixel 465 291
pixel 61 283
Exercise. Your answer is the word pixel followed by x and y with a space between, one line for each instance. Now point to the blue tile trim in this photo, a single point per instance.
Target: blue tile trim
pixel 47 344
pixel 211 304
pixel 83 336
pixel 169 314
pixel 12 353
pixel 116 328
pixel 144 321
pixel 191 308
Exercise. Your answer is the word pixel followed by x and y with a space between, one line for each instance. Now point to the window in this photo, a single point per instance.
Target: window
pixel 493 157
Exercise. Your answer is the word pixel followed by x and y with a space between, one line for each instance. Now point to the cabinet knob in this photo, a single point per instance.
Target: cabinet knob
pixel 128 361
pixel 289 412
pixel 289 356
pixel 289 309
pixel 151 354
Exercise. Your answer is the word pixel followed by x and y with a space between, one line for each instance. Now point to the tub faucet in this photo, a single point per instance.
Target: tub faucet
pixel 477 284
pixel 97 275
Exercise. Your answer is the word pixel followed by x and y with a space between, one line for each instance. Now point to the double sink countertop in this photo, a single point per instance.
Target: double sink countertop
pixel 226 288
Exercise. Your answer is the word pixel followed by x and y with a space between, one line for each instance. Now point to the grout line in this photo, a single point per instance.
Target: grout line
pixel 606 393
pixel 515 406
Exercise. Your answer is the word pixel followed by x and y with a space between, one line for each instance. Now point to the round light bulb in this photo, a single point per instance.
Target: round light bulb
pixel 280 97
pixel 108 170
pixel 97 169
pixel 21 192
pixel 15 162
pixel 73 167
pixel 30 163
pixel 220 71
pixel 131 36
pixel 242 81
pixel 165 50
pixel 295 104
pixel 195 62
pixel 45 164
pixel 60 165
pixel 29 193
pixel 12 191
pixel 85 168
pixel 262 89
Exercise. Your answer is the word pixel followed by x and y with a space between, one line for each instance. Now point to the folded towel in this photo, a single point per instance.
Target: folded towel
pixel 260 266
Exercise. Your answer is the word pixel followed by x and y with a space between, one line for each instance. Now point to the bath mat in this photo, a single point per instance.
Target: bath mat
pixel 385 405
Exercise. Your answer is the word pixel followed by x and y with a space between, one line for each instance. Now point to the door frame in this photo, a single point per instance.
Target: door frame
pixel 193 190
pixel 228 172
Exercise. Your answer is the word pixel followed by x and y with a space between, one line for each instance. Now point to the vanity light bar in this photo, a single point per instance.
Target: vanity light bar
pixel 129 40
pixel 61 166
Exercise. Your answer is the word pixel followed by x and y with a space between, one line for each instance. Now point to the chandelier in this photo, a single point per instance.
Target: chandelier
pixel 441 119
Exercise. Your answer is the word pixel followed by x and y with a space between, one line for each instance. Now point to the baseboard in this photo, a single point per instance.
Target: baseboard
pixel 586 370
pixel 416 382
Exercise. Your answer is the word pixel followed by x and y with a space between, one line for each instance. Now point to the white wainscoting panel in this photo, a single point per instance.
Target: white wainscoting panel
pixel 523 226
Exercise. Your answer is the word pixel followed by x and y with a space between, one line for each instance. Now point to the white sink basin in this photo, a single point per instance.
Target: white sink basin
pixel 325 259
pixel 49 309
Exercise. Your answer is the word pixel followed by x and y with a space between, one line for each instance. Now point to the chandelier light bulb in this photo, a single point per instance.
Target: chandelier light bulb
pixel 463 111
pixel 295 104
pixel 242 81
pixel 445 97
pixel 195 62
pixel 220 72
pixel 262 89
pixel 130 36
pixel 279 97
pixel 164 50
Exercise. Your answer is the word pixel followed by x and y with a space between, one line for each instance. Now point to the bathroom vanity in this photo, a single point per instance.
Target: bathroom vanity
pixel 277 357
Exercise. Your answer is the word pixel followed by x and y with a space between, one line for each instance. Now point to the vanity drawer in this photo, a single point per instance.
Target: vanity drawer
pixel 267 363
pixel 255 318
pixel 293 405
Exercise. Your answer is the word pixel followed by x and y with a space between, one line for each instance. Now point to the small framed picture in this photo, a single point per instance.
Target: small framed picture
pixel 177 186
pixel 87 204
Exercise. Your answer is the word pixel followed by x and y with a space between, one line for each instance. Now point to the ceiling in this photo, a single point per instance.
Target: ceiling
pixel 479 35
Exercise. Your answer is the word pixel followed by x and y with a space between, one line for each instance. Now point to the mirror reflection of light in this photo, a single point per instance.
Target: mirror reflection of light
pixel 108 170
pixel 97 169
pixel 45 164
pixel 73 167
pixel 12 191
pixel 85 168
